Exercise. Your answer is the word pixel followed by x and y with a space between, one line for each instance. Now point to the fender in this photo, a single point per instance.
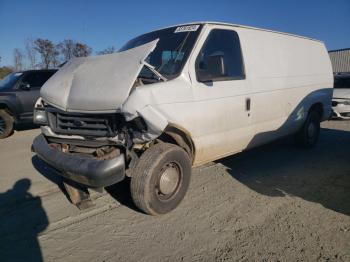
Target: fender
pixel 8 102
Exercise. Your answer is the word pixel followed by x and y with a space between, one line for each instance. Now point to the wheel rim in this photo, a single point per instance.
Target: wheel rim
pixel 169 179
pixel 2 125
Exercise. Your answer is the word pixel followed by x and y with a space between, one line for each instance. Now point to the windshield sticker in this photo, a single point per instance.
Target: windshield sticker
pixel 18 74
pixel 186 28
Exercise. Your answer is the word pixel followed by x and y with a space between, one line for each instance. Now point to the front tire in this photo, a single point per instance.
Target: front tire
pixel 160 179
pixel 308 135
pixel 6 124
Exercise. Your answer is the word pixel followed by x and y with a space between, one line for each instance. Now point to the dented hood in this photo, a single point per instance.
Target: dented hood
pixel 96 84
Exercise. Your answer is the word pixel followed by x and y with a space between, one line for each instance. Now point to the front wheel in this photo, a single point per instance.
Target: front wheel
pixel 6 124
pixel 308 135
pixel 160 179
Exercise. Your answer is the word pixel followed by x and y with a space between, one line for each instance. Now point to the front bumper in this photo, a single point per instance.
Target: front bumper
pixel 84 170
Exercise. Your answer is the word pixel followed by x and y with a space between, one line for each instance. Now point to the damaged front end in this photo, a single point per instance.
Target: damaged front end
pixel 87 135
pixel 92 149
pixel 89 150
pixel 99 114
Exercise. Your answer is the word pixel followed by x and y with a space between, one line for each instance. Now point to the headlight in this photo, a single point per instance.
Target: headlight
pixel 40 117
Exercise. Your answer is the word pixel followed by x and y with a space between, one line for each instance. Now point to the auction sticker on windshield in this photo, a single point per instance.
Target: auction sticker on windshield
pixel 186 28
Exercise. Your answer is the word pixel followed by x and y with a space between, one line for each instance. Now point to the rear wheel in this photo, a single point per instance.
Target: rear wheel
pixel 6 124
pixel 308 135
pixel 160 179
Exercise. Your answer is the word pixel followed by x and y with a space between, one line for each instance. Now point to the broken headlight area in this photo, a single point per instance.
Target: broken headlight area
pixel 102 127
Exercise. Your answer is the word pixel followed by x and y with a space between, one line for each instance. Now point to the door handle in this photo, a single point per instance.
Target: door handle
pixel 247 104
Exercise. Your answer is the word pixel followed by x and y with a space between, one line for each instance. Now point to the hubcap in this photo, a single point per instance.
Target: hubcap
pixel 169 179
pixel 2 125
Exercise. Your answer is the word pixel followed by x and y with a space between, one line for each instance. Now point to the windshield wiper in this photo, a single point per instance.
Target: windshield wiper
pixel 154 71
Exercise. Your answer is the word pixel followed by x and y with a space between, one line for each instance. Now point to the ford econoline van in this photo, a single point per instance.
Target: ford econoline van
pixel 177 98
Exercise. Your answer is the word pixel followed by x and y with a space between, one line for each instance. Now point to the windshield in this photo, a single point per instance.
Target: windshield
pixel 342 82
pixel 9 80
pixel 172 50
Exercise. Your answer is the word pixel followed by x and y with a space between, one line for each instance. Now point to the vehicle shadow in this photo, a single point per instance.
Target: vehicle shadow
pixel 49 173
pixel 22 218
pixel 320 175
pixel 23 127
pixel 121 192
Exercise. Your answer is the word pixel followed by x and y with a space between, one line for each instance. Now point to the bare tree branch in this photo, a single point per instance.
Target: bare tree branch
pixel 31 53
pixel 81 50
pixel 66 48
pixel 108 50
pixel 48 51
pixel 18 59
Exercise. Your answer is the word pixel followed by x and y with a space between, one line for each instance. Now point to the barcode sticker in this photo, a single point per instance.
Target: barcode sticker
pixel 186 28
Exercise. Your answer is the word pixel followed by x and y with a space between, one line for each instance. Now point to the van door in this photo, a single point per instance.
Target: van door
pixel 221 102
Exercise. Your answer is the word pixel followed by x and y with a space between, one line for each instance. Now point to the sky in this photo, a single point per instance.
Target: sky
pixel 103 23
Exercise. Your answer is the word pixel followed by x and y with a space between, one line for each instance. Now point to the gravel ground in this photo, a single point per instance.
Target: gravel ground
pixel 273 203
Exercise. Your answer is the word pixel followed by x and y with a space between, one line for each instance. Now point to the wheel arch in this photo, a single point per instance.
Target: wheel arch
pixel 177 135
pixel 318 107
pixel 7 108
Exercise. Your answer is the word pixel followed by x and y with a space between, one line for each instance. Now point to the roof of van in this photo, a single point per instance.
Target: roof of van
pixel 248 27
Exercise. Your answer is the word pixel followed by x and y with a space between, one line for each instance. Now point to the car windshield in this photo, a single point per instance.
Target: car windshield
pixel 342 82
pixel 9 80
pixel 172 50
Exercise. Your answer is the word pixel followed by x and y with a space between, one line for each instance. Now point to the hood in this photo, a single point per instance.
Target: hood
pixel 341 93
pixel 98 84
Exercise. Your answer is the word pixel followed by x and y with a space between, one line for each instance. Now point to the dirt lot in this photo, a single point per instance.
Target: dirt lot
pixel 274 203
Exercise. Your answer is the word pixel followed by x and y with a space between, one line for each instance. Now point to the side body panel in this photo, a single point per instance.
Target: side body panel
pixel 223 124
pixel 288 75
pixel 285 76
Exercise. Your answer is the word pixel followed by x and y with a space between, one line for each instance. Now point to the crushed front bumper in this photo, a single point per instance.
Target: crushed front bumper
pixel 84 170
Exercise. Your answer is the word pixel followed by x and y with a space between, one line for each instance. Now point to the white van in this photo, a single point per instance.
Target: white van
pixel 176 98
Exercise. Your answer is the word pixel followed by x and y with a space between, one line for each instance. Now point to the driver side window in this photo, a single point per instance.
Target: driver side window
pixel 226 44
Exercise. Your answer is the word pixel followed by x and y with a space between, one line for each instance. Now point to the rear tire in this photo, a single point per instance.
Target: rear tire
pixel 6 124
pixel 160 179
pixel 308 135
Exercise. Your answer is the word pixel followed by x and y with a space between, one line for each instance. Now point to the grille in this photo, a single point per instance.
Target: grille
pixel 95 125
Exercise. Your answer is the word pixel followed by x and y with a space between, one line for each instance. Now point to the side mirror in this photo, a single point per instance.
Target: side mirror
pixel 215 68
pixel 24 86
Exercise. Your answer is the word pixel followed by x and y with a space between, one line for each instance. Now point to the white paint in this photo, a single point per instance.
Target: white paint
pixel 285 76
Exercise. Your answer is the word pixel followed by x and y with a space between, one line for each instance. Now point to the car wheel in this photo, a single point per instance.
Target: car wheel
pixel 160 179
pixel 6 124
pixel 308 135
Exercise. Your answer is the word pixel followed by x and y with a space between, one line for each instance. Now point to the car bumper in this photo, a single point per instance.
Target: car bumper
pixel 84 170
